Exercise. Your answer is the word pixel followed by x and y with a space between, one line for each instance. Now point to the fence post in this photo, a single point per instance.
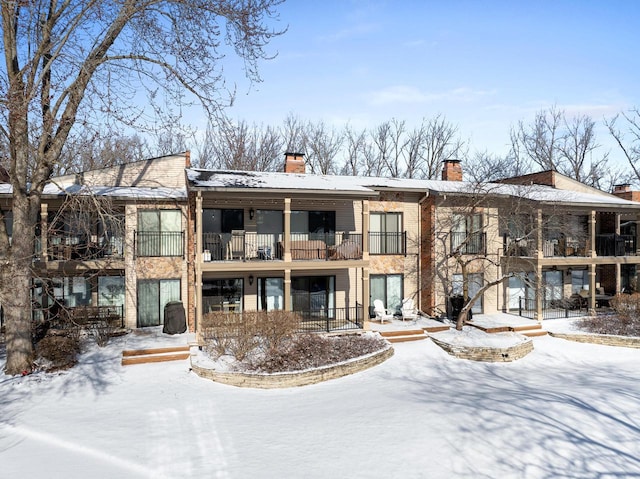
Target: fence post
pixel 519 305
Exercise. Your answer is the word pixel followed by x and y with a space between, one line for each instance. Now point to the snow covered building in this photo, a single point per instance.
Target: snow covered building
pixel 127 240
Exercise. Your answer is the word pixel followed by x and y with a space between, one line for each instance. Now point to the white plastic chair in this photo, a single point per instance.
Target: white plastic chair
pixel 382 313
pixel 408 310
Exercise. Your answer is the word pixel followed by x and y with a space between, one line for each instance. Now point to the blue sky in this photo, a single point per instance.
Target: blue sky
pixel 484 65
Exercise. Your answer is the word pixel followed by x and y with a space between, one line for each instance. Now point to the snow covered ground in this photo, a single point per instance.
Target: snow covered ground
pixel 565 410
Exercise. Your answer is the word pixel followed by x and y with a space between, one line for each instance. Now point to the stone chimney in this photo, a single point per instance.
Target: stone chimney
pixel 294 163
pixel 624 191
pixel 452 170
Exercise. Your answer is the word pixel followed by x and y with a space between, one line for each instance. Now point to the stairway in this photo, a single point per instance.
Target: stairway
pixel 154 355
pixel 404 335
pixel 531 330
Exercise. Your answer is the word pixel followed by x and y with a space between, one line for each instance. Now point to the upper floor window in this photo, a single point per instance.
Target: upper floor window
pixel 222 221
pixel 385 233
pixel 159 233
pixel 314 225
pixel 467 234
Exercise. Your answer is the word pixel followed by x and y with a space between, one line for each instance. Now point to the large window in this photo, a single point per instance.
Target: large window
pixel 111 291
pixel 153 296
pixel 385 235
pixel 223 234
pixel 467 235
pixel 552 284
pixel 475 283
pixel 270 294
pixel 312 225
pixel 222 220
pixel 159 233
pixel 314 295
pixel 223 295
pixel 389 289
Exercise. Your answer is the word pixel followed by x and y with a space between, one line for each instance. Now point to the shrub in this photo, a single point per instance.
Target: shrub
pixel 624 322
pixel 57 352
pixel 313 350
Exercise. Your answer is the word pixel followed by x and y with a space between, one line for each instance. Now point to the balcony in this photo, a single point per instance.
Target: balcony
pixel 82 248
pixel 248 246
pixel 388 243
pixel 159 243
pixel 616 245
pixel 468 243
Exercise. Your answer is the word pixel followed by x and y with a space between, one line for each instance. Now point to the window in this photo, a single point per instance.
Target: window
pixel 389 289
pixel 579 280
pixel 68 291
pixel 111 291
pixel 467 234
pixel 222 221
pixel 223 295
pixel 476 281
pixel 314 295
pixel 552 284
pixel 320 225
pixel 159 233
pixel 153 296
pixel 385 235
pixel 270 226
pixel 270 294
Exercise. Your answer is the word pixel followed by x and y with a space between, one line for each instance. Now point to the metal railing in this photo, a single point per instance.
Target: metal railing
pixel 552 308
pixel 70 247
pixel 249 246
pixel 616 245
pixel 332 319
pixel 468 243
pixel 388 243
pixel 159 243
pixel 525 247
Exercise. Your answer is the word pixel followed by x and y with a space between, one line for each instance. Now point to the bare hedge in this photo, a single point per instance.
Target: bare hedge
pixel 625 321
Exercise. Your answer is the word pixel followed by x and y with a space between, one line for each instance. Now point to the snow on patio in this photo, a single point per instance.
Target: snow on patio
pixel 565 410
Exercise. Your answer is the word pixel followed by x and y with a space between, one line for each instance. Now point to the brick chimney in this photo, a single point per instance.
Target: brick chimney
pixel 294 163
pixel 187 159
pixel 624 191
pixel 452 170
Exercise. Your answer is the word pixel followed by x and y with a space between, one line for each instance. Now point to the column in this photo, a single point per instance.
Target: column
pixel 539 239
pixel 365 229
pixel 592 233
pixel 365 297
pixel 618 278
pixel 592 287
pixel 539 293
pixel 198 259
pixel 287 290
pixel 287 234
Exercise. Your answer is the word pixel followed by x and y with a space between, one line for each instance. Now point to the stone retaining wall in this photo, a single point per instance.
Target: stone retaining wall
pixel 293 379
pixel 475 353
pixel 604 339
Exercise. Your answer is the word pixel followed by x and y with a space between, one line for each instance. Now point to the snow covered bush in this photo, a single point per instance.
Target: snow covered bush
pixel 624 322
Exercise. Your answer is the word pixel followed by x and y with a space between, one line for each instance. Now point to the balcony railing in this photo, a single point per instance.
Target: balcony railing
pixel 616 245
pixel 388 243
pixel 159 243
pixel 78 247
pixel 468 243
pixel 248 246
pixel 521 247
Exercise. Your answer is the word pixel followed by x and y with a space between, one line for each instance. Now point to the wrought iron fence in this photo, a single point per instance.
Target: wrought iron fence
pixel 388 243
pixel 468 243
pixel 552 308
pixel 159 243
pixel 615 245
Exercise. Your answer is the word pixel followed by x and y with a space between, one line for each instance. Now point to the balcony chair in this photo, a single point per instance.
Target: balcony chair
pixel 382 313
pixel 408 310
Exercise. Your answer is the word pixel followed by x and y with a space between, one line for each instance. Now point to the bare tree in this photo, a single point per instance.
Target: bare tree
pixel 568 146
pixel 355 143
pixel 441 142
pixel 240 146
pixel 70 63
pixel 628 139
pixel 293 131
pixel 322 145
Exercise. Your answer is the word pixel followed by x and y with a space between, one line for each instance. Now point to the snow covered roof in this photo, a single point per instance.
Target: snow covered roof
pixel 227 180
pixel 132 192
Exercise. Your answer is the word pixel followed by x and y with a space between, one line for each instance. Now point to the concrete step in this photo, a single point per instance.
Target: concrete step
pixel 533 334
pixel 436 329
pixel 403 335
pixel 154 355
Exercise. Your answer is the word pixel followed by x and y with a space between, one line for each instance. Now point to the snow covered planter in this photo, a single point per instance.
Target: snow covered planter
pixel 476 345
pixel 233 374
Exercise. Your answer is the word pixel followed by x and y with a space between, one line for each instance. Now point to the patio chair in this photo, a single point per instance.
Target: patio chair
pixel 408 310
pixel 382 313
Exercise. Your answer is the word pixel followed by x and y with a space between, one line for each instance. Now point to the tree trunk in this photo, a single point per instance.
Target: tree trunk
pixel 16 302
